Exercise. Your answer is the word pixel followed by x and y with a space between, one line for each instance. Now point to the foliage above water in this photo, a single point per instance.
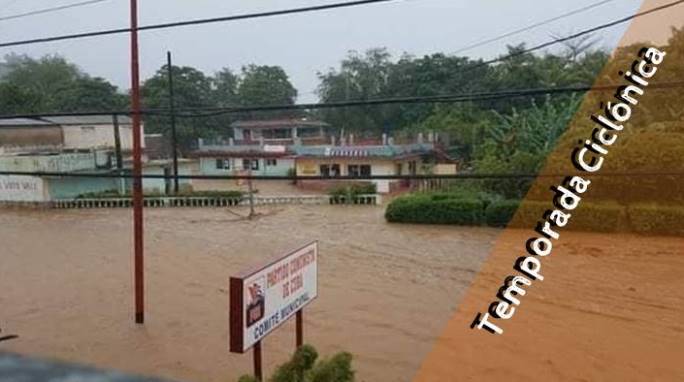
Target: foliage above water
pixel 306 367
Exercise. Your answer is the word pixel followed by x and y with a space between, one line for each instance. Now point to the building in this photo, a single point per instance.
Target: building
pixel 74 145
pixel 45 188
pixel 65 133
pixel 280 131
pixel 365 161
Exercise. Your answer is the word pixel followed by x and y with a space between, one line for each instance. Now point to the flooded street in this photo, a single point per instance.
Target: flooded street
pixel 385 291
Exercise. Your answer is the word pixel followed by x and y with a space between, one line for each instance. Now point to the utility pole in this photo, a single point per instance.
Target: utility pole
pixel 172 109
pixel 139 283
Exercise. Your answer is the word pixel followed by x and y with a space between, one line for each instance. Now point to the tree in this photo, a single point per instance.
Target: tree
pixel 192 88
pixel 52 84
pixel 225 87
pixel 16 100
pixel 87 94
pixel 262 85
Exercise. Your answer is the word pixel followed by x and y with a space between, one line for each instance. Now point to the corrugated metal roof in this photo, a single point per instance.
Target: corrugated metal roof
pixel 23 122
pixel 88 120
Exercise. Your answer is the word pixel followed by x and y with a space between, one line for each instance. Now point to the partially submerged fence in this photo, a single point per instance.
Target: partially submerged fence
pixel 199 202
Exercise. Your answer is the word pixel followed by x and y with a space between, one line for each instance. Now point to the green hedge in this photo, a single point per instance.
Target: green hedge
pixel 424 209
pixel 594 217
pixel 498 214
pixel 657 219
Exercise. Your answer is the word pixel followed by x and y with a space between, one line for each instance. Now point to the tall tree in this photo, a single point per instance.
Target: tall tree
pixel 52 84
pixel 262 85
pixel 192 88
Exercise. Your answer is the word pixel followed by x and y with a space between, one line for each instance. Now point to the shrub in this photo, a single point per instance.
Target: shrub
pixel 302 367
pixel 598 217
pixel 427 209
pixel 529 213
pixel 656 219
pixel 336 369
pixel 294 370
pixel 499 214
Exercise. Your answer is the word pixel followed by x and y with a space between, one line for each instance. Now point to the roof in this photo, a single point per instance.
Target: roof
pixel 23 122
pixel 88 120
pixel 275 123
pixel 387 151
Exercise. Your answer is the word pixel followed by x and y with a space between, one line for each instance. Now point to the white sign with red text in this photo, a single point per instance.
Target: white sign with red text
pixel 263 299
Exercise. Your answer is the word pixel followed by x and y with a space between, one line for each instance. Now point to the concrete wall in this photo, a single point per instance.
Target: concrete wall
pixel 158 186
pixel 69 188
pixel 311 167
pixel 22 189
pixel 48 163
pixel 97 136
pixel 283 165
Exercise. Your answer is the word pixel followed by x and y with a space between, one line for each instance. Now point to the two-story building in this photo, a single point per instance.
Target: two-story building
pixel 280 131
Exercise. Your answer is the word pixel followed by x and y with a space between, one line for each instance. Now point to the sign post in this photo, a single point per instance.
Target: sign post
pixel 264 298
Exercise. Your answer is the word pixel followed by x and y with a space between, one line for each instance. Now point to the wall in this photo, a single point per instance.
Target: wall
pixel 208 167
pixel 69 188
pixel 97 136
pixel 22 189
pixel 158 186
pixel 48 163
pixel 311 167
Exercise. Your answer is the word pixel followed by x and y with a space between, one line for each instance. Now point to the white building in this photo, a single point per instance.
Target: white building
pixel 64 133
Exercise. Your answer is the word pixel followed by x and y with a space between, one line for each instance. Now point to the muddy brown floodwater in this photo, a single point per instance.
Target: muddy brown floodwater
pixel 385 291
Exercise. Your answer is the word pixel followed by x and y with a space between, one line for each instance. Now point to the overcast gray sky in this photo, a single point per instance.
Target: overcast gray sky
pixel 302 44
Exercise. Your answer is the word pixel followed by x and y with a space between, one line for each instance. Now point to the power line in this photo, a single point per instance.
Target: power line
pixel 579 34
pixel 443 98
pixel 50 10
pixel 247 16
pixel 530 27
pixel 127 175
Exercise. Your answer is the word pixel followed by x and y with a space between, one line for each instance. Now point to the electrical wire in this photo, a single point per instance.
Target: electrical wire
pixel 50 10
pixel 576 35
pixel 444 98
pixel 126 175
pixel 530 27
pixel 177 24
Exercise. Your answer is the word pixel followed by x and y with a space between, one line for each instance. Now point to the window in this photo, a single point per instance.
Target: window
pixel 308 132
pixel 330 170
pixel 363 170
pixel 223 164
pixel 252 164
pixel 271 162
pixel 277 133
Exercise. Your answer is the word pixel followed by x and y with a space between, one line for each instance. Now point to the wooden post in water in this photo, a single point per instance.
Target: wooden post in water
pixel 250 188
pixel 300 328
pixel 257 362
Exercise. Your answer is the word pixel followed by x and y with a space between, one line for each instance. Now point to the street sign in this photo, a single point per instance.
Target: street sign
pixel 264 298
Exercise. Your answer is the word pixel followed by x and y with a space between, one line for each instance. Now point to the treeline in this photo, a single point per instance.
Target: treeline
pixel 52 84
